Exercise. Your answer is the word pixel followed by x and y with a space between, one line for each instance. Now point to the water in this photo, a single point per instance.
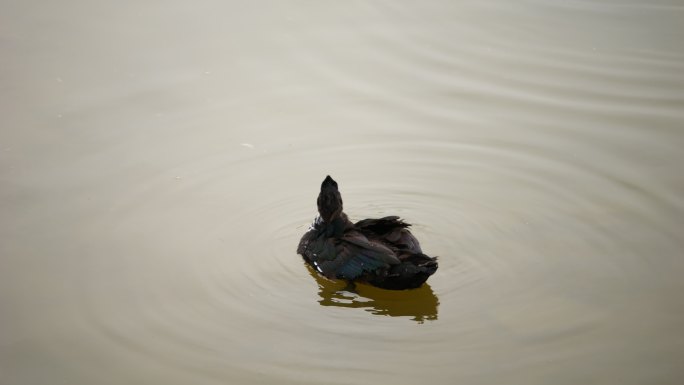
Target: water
pixel 159 162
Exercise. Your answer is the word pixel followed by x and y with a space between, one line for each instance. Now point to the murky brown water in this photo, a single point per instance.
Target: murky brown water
pixel 159 162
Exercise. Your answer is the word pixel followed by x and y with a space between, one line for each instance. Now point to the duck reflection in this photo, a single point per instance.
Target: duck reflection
pixel 420 304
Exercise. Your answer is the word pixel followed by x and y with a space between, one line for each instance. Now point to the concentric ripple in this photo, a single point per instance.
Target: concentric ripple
pixel 230 269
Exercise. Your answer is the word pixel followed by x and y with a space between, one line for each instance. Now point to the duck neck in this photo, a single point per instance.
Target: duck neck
pixel 336 226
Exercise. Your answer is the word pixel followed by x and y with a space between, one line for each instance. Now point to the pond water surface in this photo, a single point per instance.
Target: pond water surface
pixel 159 162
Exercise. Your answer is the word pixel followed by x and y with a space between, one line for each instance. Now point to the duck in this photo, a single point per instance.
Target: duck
pixel 381 252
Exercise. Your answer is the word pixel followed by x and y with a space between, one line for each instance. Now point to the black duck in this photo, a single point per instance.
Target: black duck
pixel 381 252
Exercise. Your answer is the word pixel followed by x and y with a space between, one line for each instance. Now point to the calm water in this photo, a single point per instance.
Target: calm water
pixel 159 162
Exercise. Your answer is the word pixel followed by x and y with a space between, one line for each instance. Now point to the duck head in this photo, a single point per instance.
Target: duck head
pixel 329 200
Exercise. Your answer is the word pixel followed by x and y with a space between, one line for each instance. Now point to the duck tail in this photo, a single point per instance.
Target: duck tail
pixel 411 273
pixel 430 265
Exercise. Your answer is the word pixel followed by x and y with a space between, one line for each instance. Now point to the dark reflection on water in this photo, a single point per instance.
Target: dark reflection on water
pixel 421 304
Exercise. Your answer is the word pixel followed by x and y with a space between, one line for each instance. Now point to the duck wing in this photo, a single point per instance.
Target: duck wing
pixel 391 230
pixel 352 256
pixel 382 225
